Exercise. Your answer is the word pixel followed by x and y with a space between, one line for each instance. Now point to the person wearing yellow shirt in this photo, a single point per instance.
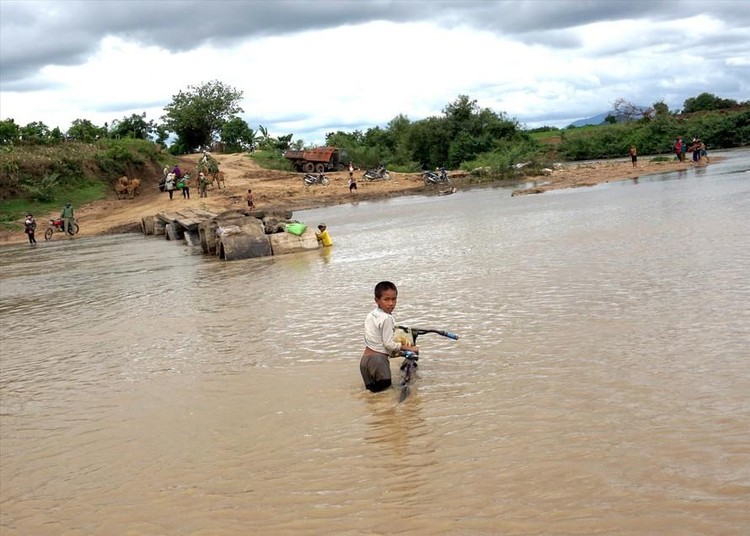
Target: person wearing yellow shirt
pixel 323 236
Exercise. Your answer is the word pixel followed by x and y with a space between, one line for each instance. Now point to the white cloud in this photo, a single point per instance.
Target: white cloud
pixel 358 75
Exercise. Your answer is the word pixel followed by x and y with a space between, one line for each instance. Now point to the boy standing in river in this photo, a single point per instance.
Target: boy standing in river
pixel 323 236
pixel 379 342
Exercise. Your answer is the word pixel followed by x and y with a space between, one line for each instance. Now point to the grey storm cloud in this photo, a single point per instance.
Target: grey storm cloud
pixel 40 33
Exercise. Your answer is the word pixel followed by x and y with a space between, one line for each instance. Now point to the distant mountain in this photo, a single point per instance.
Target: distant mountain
pixel 593 120
pixel 599 118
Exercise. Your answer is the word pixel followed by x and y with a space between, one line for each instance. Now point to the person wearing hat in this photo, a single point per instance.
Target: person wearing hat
pixel 203 184
pixel 29 227
pixel 323 236
pixel 67 217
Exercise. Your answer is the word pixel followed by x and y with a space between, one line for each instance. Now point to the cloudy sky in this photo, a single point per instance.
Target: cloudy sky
pixel 314 66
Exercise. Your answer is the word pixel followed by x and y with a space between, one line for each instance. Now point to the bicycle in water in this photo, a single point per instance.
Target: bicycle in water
pixel 408 368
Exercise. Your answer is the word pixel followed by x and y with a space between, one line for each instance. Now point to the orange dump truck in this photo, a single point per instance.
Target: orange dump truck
pixel 317 160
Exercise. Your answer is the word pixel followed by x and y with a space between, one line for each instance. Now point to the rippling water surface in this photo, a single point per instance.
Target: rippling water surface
pixel 600 386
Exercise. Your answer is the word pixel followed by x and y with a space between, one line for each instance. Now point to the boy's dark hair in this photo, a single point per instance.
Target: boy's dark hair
pixel 382 287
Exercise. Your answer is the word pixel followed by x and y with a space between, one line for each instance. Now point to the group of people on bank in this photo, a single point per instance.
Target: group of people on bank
pixel 697 147
pixel 680 147
pixel 177 180
pixel 67 219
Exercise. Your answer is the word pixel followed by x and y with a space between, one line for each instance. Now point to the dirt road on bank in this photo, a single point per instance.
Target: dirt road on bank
pixel 284 190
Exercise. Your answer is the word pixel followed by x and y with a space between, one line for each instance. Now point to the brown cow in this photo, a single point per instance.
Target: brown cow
pixel 219 178
pixel 127 187
pixel 121 189
pixel 133 187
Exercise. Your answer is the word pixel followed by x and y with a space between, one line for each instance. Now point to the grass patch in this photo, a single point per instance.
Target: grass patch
pixel 12 211
pixel 410 167
pixel 271 160
pixel 548 136
pixel 509 161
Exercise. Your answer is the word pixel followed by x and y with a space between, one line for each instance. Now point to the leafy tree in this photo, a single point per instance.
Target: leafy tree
pixel 265 141
pixel 630 111
pixel 198 114
pixel 9 132
pixel 237 135
pixel 162 133
pixel 85 131
pixel 134 126
pixel 346 140
pixel 610 119
pixel 661 109
pixel 706 102
pixel 428 142
pixel 35 133
pixel 460 113
pixel 398 129
pixel 56 135
pixel 282 142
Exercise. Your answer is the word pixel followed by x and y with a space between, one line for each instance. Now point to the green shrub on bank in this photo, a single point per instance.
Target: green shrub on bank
pixel 12 211
pixel 117 156
pixel 40 178
pixel 271 160
pixel 719 130
pixel 409 167
pixel 510 160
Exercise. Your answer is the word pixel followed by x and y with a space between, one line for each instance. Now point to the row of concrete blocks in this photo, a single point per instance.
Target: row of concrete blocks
pixel 235 234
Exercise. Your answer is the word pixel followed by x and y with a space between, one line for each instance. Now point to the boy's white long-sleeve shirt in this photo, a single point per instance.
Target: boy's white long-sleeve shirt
pixel 379 327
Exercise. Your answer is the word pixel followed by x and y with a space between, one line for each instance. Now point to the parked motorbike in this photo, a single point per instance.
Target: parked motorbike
pixel 311 179
pixel 379 174
pixel 56 226
pixel 431 177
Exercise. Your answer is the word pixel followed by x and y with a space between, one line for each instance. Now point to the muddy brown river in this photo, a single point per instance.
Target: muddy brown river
pixel 601 384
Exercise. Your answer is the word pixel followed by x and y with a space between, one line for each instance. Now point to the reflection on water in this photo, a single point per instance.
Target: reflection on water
pixel 599 386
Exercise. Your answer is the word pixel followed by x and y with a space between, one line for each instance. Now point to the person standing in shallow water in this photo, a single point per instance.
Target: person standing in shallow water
pixel 323 236
pixel 379 342
pixel 29 226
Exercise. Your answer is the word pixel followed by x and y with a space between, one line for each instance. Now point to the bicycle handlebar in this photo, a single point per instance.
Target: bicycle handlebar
pixel 421 331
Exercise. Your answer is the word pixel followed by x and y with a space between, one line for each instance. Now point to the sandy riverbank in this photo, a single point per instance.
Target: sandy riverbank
pixel 283 190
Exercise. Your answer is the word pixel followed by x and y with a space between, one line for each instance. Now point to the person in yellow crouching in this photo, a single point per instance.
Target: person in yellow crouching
pixel 323 236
